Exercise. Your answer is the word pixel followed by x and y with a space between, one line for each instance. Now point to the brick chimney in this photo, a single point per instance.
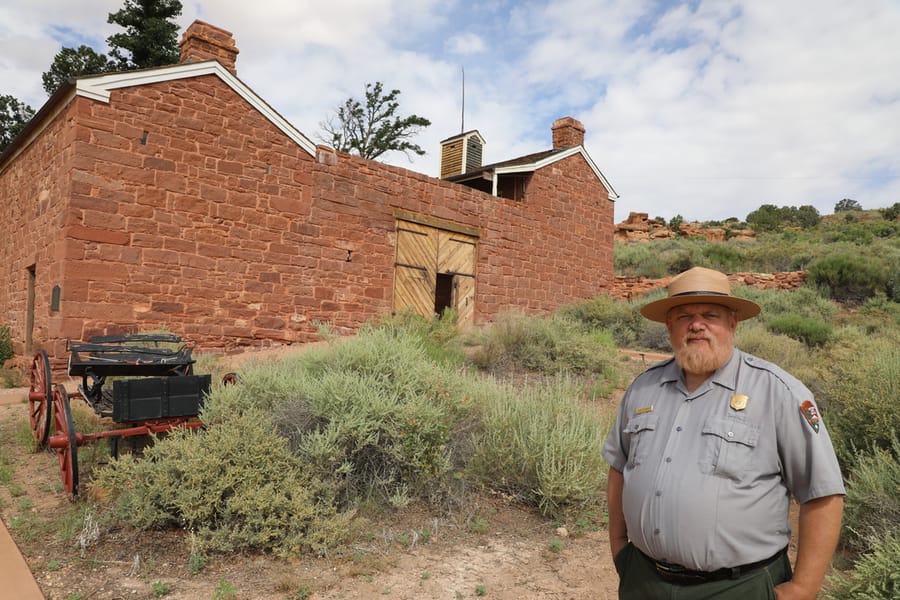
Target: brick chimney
pixel 202 41
pixel 567 132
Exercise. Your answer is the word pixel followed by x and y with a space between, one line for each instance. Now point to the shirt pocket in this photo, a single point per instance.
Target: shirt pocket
pixel 639 432
pixel 729 447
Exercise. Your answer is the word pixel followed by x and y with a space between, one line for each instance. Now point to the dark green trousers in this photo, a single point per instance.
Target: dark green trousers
pixel 638 580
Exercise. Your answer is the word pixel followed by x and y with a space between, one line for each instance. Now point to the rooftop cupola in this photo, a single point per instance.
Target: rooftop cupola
pixel 461 153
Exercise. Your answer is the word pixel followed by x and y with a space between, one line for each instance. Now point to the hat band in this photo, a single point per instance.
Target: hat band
pixel 700 294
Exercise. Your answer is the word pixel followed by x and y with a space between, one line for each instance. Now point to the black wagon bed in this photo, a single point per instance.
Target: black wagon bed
pixel 155 382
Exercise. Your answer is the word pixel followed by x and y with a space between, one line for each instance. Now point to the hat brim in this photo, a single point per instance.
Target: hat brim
pixel 658 309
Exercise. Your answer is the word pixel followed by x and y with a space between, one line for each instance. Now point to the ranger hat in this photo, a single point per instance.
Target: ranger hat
pixel 699 286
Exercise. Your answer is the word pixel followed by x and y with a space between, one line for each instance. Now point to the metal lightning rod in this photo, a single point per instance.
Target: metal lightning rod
pixel 462 125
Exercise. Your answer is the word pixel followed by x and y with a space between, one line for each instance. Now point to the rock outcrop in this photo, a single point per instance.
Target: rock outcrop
pixel 639 227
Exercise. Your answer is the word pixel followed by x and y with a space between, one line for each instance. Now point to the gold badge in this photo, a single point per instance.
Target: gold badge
pixel 739 401
pixel 643 410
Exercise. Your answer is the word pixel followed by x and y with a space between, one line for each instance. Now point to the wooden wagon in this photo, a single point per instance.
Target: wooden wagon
pixel 142 386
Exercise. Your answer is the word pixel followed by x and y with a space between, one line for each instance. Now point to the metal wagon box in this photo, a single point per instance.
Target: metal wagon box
pixel 158 397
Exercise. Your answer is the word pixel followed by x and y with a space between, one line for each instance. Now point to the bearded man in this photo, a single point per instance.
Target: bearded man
pixel 707 450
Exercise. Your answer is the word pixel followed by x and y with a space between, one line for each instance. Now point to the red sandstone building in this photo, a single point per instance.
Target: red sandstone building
pixel 175 197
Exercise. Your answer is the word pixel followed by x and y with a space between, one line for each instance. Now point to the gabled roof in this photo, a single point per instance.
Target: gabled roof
pixel 467 134
pixel 99 87
pixel 532 162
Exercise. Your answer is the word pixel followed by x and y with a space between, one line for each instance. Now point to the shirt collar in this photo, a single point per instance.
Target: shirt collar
pixel 725 376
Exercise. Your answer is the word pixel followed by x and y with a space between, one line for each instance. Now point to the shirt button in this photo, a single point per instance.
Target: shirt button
pixel 730 434
pixel 668 459
pixel 656 532
pixel 678 428
pixel 659 492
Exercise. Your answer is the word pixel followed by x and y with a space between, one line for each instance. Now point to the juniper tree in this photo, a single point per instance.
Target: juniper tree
pixel 370 128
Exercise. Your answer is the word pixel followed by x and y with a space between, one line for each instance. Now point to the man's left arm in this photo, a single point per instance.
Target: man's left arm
pixel 817 538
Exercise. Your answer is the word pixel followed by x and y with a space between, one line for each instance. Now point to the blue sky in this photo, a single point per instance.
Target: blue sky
pixel 706 109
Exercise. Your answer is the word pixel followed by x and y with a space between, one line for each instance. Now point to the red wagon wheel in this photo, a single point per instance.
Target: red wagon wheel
pixel 64 440
pixel 40 397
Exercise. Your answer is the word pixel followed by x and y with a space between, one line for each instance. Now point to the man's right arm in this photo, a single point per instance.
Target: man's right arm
pixel 618 534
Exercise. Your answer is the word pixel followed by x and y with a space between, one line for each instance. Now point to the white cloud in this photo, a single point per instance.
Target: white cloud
pixel 466 43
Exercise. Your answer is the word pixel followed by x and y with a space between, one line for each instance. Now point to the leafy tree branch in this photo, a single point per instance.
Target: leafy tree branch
pixel 372 128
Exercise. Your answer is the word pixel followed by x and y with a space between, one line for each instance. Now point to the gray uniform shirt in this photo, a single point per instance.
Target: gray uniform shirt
pixel 709 475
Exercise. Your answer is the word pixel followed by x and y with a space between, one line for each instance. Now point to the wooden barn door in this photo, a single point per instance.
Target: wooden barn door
pixel 456 259
pixel 415 271
pixel 434 270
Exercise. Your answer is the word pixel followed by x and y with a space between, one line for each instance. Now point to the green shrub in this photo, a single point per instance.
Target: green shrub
pixel 791 355
pixel 777 252
pixel 675 224
pixel 861 396
pixel 373 442
pixel 681 259
pixel 875 575
pixel 440 336
pixel 847 204
pixel 6 349
pixel 542 446
pixel 541 344
pixel 11 378
pixel 872 504
pixel 891 213
pixel 769 217
pixel 852 278
pixel 373 415
pixel 879 311
pixel 619 318
pixel 805 302
pixel 861 233
pixel 235 484
pixel 855 233
pixel 886 229
pixel 652 335
pixel 726 257
pixel 636 260
pixel 809 331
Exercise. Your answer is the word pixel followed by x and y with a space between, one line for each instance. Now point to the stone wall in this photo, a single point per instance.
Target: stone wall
pixel 34 192
pixel 552 248
pixel 631 288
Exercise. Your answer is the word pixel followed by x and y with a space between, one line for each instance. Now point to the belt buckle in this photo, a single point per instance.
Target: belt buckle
pixel 678 574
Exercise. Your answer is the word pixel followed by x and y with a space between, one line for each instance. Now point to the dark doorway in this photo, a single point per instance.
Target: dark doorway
pixel 443 293
pixel 29 310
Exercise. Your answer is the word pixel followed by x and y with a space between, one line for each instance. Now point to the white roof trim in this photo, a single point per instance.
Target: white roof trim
pixel 100 87
pixel 466 135
pixel 529 167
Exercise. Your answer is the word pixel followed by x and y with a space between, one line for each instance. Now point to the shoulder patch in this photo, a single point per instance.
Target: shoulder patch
pixel 811 414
